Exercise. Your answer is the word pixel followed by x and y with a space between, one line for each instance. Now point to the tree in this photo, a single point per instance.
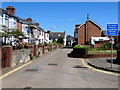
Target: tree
pixel 60 40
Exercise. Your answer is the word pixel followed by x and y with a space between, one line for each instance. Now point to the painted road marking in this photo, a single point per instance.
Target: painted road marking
pixel 5 75
pixel 107 72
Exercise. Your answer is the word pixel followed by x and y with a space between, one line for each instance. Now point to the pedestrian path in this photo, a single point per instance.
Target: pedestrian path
pixel 104 63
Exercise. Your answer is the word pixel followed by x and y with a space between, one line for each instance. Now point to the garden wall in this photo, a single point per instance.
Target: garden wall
pixel 21 56
pixel 12 58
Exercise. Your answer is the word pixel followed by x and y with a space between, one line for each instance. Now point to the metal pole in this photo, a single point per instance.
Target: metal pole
pixel 111 51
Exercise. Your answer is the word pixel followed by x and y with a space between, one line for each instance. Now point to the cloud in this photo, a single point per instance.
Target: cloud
pixel 53 27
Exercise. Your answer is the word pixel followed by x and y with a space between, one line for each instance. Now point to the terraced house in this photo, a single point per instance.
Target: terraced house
pixel 33 33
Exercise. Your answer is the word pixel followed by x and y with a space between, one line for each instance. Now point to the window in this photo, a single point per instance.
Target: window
pixel 14 25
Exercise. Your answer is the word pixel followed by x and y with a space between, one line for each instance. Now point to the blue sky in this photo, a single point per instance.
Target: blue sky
pixel 62 16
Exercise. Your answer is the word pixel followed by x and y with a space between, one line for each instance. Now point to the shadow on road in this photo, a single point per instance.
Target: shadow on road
pixel 71 56
pixel 67 47
pixel 114 61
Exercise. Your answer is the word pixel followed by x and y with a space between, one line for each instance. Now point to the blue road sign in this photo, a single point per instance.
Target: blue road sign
pixel 112 29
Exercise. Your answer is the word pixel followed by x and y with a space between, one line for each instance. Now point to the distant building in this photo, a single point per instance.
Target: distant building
pixel 103 33
pixel 69 40
pixel 56 35
pixel 85 31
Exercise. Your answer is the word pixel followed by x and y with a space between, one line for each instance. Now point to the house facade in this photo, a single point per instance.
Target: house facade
pixel 85 31
pixel 69 40
pixel 32 31
pixel 57 35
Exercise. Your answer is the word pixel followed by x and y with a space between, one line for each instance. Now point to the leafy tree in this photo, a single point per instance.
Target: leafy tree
pixel 54 41
pixel 60 40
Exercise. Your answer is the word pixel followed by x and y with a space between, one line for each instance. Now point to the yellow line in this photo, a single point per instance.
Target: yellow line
pixel 5 75
pixel 112 73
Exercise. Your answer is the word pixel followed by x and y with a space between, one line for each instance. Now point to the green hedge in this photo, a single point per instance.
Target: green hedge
pixel 80 49
pixel 118 47
pixel 80 46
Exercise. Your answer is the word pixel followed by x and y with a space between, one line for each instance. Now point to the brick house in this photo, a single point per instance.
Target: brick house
pixel 87 30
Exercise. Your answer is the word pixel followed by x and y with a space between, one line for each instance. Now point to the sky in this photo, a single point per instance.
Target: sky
pixel 63 16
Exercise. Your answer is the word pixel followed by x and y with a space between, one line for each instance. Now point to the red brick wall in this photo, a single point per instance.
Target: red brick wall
pixel 6 56
pixel 86 31
pixel 19 26
pixel 35 50
pixel 99 43
pixel 43 48
pixel 81 35
pixel 92 30
pixel 11 10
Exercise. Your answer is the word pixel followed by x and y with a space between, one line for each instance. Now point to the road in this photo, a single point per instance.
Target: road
pixel 56 70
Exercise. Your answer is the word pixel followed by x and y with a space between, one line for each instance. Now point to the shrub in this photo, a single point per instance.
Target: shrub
pixel 60 40
pixel 46 44
pixel 32 44
pixel 80 46
pixel 106 46
pixel 80 49
pixel 118 47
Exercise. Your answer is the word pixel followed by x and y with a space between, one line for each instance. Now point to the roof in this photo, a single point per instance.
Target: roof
pixel 92 22
pixel 56 35
pixel 18 18
pixel 69 38
pixel 6 12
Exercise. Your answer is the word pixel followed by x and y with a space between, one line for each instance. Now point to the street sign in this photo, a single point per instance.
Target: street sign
pixel 112 30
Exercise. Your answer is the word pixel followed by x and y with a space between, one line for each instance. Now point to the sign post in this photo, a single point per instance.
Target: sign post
pixel 112 30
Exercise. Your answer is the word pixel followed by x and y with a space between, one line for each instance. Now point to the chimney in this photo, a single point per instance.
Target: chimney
pixel 37 24
pixel 11 10
pixel 29 19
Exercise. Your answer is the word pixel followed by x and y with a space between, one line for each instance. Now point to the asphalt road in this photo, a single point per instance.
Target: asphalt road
pixel 56 70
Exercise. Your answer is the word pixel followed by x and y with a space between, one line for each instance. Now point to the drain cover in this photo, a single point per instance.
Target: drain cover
pixel 31 70
pixel 79 66
pixel 52 64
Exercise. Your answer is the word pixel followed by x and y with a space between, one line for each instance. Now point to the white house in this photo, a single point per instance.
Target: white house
pixel 46 38
pixel 25 31
pixel 42 37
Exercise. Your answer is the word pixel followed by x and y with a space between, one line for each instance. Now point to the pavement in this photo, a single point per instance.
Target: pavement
pixel 104 64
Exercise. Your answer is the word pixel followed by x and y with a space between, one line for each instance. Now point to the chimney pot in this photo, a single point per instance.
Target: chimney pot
pixel 11 10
